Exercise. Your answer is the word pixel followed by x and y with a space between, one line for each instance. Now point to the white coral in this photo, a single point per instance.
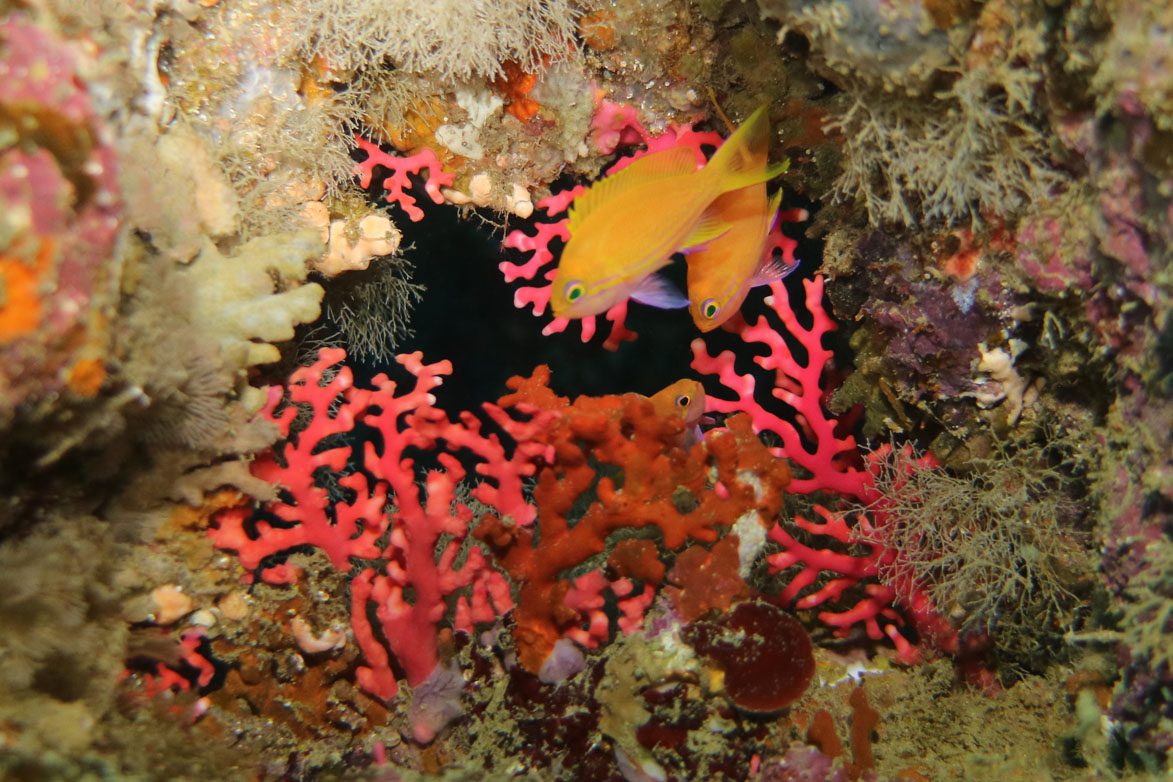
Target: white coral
pixel 352 246
pixel 1008 385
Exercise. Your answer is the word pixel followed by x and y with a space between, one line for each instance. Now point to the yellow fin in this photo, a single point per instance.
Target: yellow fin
pixel 669 162
pixel 708 228
pixel 738 162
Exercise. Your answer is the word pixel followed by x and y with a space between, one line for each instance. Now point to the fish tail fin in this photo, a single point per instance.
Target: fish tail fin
pixel 741 160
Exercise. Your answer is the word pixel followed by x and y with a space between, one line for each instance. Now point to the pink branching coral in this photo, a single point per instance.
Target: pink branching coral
pixel 396 184
pixel 191 666
pixel 613 125
pixel 831 464
pixel 426 532
pixel 811 442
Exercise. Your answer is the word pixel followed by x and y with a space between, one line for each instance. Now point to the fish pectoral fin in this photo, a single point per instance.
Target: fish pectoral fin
pixel 669 162
pixel 655 291
pixel 772 270
pixel 708 228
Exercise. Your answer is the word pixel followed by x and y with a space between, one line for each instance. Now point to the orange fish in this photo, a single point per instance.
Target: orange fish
pixel 684 398
pixel 628 225
pixel 721 274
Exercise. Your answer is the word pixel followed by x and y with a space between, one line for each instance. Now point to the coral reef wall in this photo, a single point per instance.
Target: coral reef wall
pixel 907 515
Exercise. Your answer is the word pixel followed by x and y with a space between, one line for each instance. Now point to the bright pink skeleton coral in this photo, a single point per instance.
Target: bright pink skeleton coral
pixel 613 124
pixel 832 464
pixel 379 492
pixel 396 184
pixel 829 458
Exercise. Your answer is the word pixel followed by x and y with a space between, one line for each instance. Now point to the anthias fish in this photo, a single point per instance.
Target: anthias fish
pixel 721 274
pixel 686 399
pixel 628 225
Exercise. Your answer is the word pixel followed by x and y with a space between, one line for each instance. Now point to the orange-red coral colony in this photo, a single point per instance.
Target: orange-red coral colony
pixel 20 300
pixel 59 184
pixel 620 467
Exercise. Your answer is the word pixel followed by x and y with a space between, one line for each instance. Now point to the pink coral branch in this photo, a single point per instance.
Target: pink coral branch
pixel 311 516
pixel 396 184
pixel 849 570
pixel 587 597
pixel 425 524
pixel 830 461
pixel 798 384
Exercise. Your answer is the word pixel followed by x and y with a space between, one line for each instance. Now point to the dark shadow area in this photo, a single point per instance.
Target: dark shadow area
pixel 467 316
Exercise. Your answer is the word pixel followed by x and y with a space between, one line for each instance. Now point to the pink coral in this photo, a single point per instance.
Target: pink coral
pixel 191 666
pixel 586 595
pixel 832 464
pixel 425 561
pixel 846 571
pixel 811 441
pixel 396 184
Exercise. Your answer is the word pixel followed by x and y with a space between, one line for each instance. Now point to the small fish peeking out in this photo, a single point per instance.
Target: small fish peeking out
pixel 684 399
pixel 626 227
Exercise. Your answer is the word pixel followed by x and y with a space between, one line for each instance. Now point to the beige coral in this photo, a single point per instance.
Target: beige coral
pixel 176 190
pixel 171 604
pixel 1016 391
pixel 352 246
pixel 482 192
pixel 236 304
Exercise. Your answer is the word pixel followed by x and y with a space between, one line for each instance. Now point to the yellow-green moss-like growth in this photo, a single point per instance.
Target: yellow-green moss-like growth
pixel 994 543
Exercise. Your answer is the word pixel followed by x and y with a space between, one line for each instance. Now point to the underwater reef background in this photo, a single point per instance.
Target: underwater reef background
pixel 301 479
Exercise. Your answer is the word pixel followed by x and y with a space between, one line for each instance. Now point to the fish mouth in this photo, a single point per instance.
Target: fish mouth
pixel 563 311
pixel 580 309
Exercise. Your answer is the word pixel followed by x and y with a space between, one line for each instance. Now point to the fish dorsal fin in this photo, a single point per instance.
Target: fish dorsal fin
pixel 747 147
pixel 669 162
pixel 656 291
pixel 708 228
pixel 778 169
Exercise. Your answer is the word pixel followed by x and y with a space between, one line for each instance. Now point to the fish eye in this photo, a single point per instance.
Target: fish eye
pixel 683 400
pixel 710 308
pixel 574 290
